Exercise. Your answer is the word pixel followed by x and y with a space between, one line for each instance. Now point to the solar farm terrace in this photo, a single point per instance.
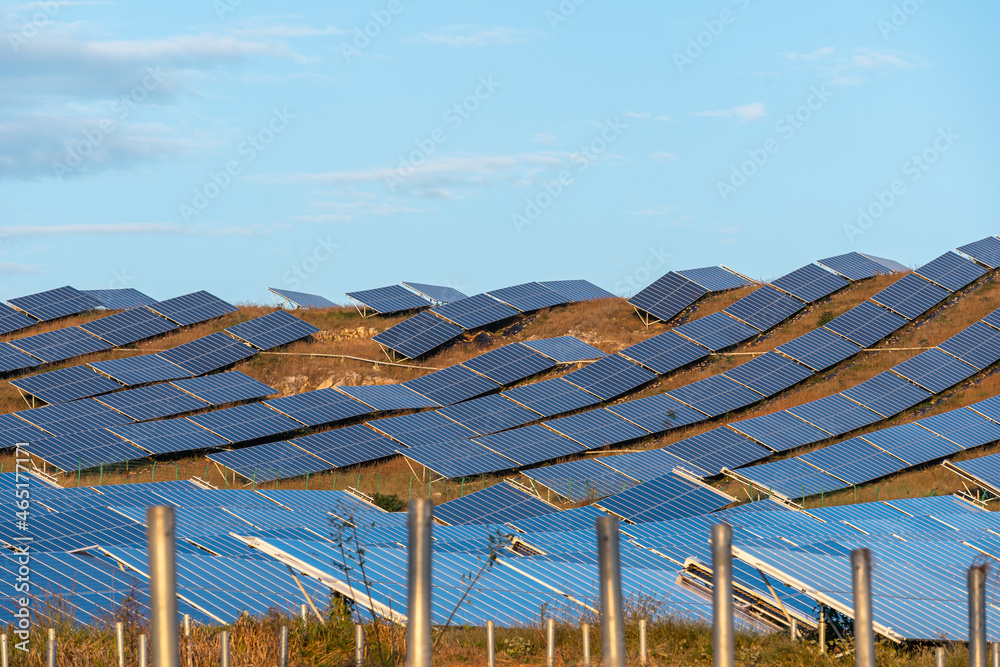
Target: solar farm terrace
pixel 851 403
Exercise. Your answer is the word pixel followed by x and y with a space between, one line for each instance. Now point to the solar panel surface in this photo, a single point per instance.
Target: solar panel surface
pixel 978 345
pixel 596 428
pixel 810 283
pixel 347 446
pixel 322 406
pixel 664 498
pixel 421 429
pixel 887 394
pixel 858 266
pixel 819 349
pixel 438 293
pixel 934 370
pixel 642 466
pixel 12 320
pixel 910 296
pixel 657 413
pixel 65 384
pixel 714 450
pixel 208 353
pixel 665 352
pixel 476 311
pixel 564 349
pixel 128 327
pixel 54 303
pixel 168 436
pixel 769 373
pixel 985 250
pixel 715 395
pixel 717 331
pixel 12 359
pixel 609 377
pixel 496 504
pixel 577 290
pixel 866 323
pixel 451 385
pixel 528 297
pixel 460 458
pixel 140 369
pixel 951 271
pixel 119 299
pixel 14 430
pixel 269 462
pixel 509 364
pixel 85 450
pixel 765 307
pixel 912 443
pixel 714 278
pixel 228 387
pixel 192 308
pixel 835 414
pixel 551 397
pixel 75 417
pixel 388 397
pixel 272 330
pixel 581 480
pixel 60 344
pixel 963 426
pixel 152 402
pixel 489 414
pixel 792 478
pixel 243 423
pixel 530 444
pixel 303 299
pixel 389 299
pixel 418 335
pixel 667 296
pixel 854 461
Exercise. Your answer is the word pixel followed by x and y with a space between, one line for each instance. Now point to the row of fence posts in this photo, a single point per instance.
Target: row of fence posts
pixel 163 646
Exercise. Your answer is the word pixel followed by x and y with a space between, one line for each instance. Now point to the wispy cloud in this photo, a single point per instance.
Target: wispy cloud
pixel 645 115
pixel 462 36
pixel 853 68
pixel 747 113
pixel 662 156
pixel 822 52
pixel 290 31
pixel 15 269
pixel 126 228
pixel 544 138
pixel 666 209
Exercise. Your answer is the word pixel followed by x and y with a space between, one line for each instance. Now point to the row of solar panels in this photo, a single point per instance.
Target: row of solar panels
pixel 429 330
pixel 381 300
pixel 24 311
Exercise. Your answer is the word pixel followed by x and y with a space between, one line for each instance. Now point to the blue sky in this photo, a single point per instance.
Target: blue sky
pixel 219 145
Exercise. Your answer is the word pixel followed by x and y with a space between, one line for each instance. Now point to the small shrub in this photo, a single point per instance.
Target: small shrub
pixel 390 502
pixel 516 648
pixel 826 317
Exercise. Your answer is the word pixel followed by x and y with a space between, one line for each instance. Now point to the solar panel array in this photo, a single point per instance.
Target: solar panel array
pixel 192 308
pixel 120 299
pixel 272 330
pixel 302 299
pixel 55 303
pixel 437 293
pixel 388 300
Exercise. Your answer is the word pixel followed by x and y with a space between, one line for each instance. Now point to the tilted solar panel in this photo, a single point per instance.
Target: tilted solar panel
pixel 272 330
pixel 347 446
pixel 140 369
pixel 12 320
pixel 243 423
pixel 418 335
pixel 313 408
pixel 978 345
pixel 990 408
pixel 421 429
pixel 657 413
pixel 866 323
pixel 551 397
pixel 577 290
pixel 152 402
pixel 887 394
pixel 963 426
pixel 985 468
pixel 765 307
pixel 14 430
pixel 667 296
pixel 119 299
pixel 303 299
pixel 388 397
pixel 912 443
pixel 489 414
pixel 664 498
pixel 389 299
pixel 12 359
pixel 228 387
pixel 530 444
pixel 581 480
pixel 717 331
pixel 82 451
pixel 714 278
pixel 564 349
pixel 169 435
pixel 496 504
pixel 74 417
pixel 528 297
pixel 642 466
pixel 438 293
pixel 819 349
pixel 715 395
pixel 858 266
pixel 951 271
pixel 128 327
pixel 192 308
pixel 665 352
pixel 509 364
pixel 476 311
pixel 714 450
pixel 854 461
pixel 985 250
pixel 810 283
pixel 461 458
pixel 910 296
pixel 835 414
pixel 208 353
pixel 596 428
pixel 54 303
pixel 579 518
pixel 451 385
pixel 66 384
pixel 792 478
pixel 769 373
pixel 269 462
pixel 60 344
pixel 609 377
pixel 935 370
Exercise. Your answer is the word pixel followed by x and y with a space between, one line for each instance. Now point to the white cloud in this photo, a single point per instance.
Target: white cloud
pixel 854 68
pixel 662 156
pixel 461 36
pixel 666 209
pixel 127 228
pixel 291 31
pixel 15 269
pixel 747 113
pixel 544 138
pixel 645 115
pixel 822 52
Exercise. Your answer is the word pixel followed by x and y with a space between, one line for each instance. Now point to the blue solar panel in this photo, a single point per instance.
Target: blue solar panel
pixel 530 444
pixel 272 330
pixel 119 299
pixel 663 499
pixel 714 450
pixel 978 345
pixel 769 373
pixel 810 283
pixel 528 297
pixel 887 394
pixel 476 311
pixel 269 462
pixel 140 369
pixel 152 402
pixel 303 299
pixel 66 384
pixel 912 443
pixel 451 385
pixel 577 290
pixel 984 468
pixel 437 293
pixel 389 299
pixel 578 518
pixel 835 414
pixel 780 431
pixel 791 478
pixel 668 296
pixel 421 429
pixel 192 308
pixel 642 466
pixel 665 352
pixel 509 364
pixel 228 387
pixel 418 335
pixel 75 417
pixel 714 278
pixel 819 349
pixel 208 353
pixel 935 370
pixel 989 408
pixel 169 435
pixel 489 414
pixel 866 323
pixel 128 327
pixel 82 451
pixel 582 480
pixel 461 458
pixel 964 427
pixel 551 397
pixel 564 349
pixel 765 308
pixel 910 296
pixel 715 395
pixel 14 430
pixel 54 303
pixel 347 446
pixel 496 504
pixel 596 428
pixel 951 271
pixel 12 320
pixel 854 461
pixel 388 397
pixel 609 377
pixel 858 266
pixel 12 359
pixel 60 344
pixel 243 423
pixel 986 251
pixel 313 408
pixel 717 331
pixel 657 413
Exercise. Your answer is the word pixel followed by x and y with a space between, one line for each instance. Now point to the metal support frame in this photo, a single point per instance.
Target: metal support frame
pixel 723 639
pixel 418 602
pixel 609 566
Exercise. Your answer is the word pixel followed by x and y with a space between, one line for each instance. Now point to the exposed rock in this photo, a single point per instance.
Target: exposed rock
pixel 294 384
pixel 482 339
pixel 345 334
